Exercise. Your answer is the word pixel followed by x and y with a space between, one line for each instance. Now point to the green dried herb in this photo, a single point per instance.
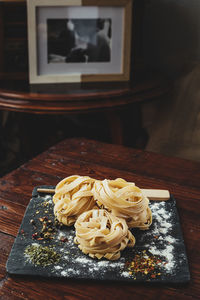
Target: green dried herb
pixel 42 255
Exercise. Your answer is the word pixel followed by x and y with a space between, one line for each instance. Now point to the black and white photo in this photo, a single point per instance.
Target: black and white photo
pixel 71 41
pixel 79 40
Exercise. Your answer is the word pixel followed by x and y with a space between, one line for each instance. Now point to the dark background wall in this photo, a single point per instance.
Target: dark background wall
pixel 171 44
pixel 171 35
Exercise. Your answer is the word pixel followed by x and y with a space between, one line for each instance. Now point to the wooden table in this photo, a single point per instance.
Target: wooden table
pixel 99 160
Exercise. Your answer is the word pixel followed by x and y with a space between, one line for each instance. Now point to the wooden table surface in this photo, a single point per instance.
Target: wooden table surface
pixel 99 160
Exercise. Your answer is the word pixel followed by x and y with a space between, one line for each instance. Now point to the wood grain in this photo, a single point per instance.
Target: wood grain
pixel 73 98
pixel 8 209
pixel 5 247
pixel 180 177
pixel 141 162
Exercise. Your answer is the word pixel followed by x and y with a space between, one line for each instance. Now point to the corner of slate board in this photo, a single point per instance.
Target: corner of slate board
pixel 184 274
pixel 15 261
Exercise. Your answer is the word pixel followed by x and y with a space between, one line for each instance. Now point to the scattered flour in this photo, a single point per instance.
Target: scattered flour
pixel 61 234
pixel 82 260
pixel 162 243
pixel 158 241
pixel 58 267
pixel 125 274
pixel 48 198
pixel 64 273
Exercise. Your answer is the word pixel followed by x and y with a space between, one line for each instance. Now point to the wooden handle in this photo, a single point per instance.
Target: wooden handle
pixel 152 194
pixel 156 195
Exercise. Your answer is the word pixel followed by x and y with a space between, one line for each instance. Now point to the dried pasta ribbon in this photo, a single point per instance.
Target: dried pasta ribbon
pixel 73 195
pixel 125 200
pixel 101 234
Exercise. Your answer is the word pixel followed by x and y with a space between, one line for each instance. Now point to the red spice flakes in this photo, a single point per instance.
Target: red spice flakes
pixel 23 234
pixel 45 228
pixel 144 264
pixel 35 235
pixel 63 239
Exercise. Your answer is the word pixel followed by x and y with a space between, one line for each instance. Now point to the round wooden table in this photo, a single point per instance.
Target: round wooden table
pixel 119 101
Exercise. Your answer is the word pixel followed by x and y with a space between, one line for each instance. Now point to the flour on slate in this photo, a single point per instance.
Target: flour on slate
pixel 48 198
pixel 160 243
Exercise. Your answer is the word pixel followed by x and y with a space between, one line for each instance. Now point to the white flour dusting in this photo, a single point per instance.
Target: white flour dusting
pixel 58 267
pixel 48 198
pixel 82 260
pixel 158 240
pixel 125 274
pixel 161 243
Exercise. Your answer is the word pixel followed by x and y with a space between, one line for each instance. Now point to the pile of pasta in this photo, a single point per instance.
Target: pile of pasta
pixel 73 195
pixel 124 199
pixel 102 213
pixel 101 234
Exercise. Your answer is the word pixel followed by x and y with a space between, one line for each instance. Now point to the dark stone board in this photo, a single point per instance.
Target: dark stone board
pixel 162 245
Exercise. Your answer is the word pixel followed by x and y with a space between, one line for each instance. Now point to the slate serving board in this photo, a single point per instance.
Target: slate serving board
pixel 163 241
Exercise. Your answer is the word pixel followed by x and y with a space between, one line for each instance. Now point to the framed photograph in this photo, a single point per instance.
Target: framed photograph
pixel 79 40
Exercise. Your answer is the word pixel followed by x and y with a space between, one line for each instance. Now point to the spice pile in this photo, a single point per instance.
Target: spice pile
pixel 41 255
pixel 46 229
pixel 145 264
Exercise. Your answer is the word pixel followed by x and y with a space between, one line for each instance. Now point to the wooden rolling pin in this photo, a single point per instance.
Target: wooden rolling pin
pixel 152 194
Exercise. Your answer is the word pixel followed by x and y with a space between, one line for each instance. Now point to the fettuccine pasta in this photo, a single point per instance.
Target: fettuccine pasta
pixel 102 213
pixel 101 234
pixel 73 196
pixel 125 200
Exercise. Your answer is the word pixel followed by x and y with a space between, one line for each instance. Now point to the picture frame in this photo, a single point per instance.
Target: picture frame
pixel 79 40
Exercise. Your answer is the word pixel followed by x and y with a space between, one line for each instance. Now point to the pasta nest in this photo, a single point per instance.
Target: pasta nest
pixel 125 200
pixel 101 234
pixel 73 195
